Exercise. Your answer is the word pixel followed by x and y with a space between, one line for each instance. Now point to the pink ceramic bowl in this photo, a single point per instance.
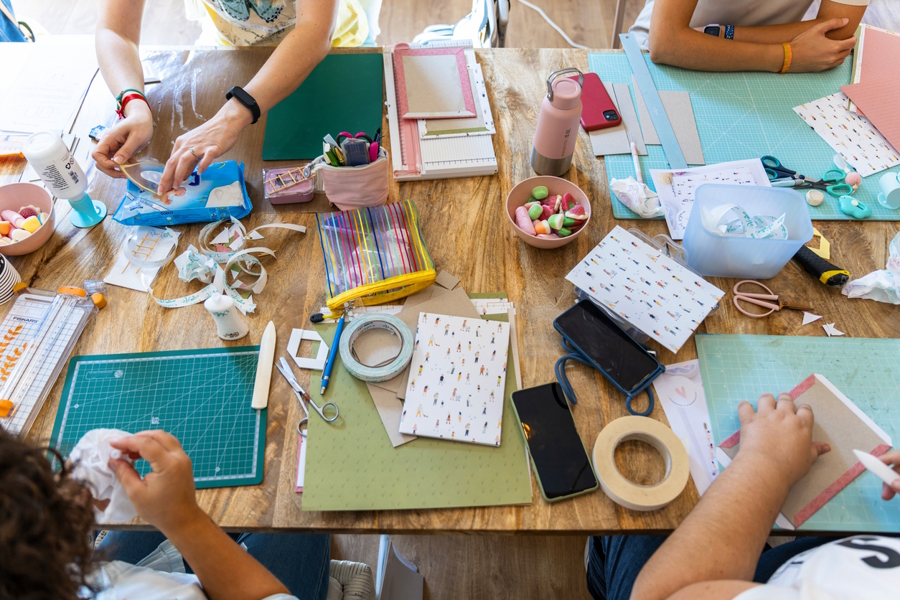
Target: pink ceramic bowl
pixel 16 195
pixel 520 194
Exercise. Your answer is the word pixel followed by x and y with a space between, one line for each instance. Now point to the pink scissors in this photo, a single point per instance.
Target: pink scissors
pixel 760 300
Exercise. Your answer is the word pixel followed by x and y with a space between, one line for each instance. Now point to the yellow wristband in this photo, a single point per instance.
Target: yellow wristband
pixel 787 58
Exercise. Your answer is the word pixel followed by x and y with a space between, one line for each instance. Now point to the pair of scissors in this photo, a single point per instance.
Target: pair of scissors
pixel 780 176
pixel 761 300
pixel 301 395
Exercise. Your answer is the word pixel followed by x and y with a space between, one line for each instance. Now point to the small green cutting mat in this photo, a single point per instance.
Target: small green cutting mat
pixel 202 397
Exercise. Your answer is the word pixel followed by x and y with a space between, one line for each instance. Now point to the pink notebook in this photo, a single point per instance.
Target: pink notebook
pixel 878 89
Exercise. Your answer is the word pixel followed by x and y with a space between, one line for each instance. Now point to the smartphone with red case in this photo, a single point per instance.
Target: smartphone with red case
pixel 598 110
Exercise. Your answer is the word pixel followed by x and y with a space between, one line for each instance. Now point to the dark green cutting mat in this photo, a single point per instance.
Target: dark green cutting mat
pixel 343 93
pixel 202 397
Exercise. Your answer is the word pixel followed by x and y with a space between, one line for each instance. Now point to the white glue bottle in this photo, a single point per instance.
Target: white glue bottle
pixel 63 177
pixel 229 324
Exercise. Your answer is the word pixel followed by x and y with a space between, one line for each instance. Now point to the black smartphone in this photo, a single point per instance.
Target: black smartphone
pixel 624 362
pixel 558 456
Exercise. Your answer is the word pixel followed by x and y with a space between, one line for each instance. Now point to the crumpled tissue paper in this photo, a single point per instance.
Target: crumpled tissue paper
pixel 881 286
pixel 637 196
pixel 90 457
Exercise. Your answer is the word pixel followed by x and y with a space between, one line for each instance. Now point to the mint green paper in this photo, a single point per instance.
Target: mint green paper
pixel 351 464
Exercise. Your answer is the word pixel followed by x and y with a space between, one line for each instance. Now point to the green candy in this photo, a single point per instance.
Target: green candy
pixel 540 192
pixel 535 211
pixel 563 232
pixel 568 222
pixel 556 221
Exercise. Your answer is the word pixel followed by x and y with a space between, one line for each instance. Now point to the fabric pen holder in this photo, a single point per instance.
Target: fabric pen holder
pixel 356 187
pixel 374 255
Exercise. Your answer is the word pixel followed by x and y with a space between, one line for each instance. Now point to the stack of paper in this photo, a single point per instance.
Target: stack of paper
pixel 439 112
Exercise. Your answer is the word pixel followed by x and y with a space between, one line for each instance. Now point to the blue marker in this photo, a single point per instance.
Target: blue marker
pixel 326 375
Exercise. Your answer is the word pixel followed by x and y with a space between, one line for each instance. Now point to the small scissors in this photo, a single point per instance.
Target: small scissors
pixel 758 300
pixel 780 176
pixel 301 395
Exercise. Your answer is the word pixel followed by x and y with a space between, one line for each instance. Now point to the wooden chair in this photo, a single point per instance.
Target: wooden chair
pixel 617 24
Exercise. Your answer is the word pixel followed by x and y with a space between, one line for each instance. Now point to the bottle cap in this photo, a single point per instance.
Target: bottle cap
pixel 566 93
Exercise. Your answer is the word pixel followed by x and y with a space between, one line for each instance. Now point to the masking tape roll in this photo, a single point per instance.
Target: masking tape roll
pixel 376 373
pixel 631 495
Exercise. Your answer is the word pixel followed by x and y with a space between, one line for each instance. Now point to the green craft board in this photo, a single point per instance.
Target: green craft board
pixel 202 397
pixel 740 116
pixel 351 465
pixel 343 93
pixel 741 367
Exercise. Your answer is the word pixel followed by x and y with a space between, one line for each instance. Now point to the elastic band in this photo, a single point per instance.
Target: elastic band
pixel 787 58
pixel 729 32
pixel 122 101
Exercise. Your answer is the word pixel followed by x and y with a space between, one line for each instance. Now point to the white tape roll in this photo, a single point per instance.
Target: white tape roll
pixel 392 367
pixel 631 495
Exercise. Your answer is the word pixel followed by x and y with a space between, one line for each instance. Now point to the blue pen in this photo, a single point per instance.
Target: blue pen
pixel 326 375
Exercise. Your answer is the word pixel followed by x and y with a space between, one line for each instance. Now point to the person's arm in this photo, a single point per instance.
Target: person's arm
pixel 117 37
pixel 674 42
pixel 712 555
pixel 293 60
pixel 166 499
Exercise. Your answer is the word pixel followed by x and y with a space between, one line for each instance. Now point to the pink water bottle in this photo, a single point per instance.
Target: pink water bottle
pixel 557 127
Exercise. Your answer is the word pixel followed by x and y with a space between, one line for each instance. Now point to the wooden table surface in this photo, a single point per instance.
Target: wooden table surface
pixel 465 227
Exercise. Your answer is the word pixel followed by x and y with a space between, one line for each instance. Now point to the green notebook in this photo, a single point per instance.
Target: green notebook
pixel 343 93
pixel 352 466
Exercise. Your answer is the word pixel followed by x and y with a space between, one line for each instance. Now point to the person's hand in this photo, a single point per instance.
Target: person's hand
pixel 164 498
pixel 779 436
pixel 199 147
pixel 121 141
pixel 891 459
pixel 812 51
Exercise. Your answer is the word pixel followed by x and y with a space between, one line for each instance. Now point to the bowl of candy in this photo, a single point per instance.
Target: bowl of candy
pixel 548 212
pixel 26 218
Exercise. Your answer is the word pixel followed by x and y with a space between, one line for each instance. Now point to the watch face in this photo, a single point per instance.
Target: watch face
pixel 712 30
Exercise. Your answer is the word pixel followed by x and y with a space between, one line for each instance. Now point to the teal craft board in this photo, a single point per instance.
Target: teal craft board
pixel 741 367
pixel 202 397
pixel 741 116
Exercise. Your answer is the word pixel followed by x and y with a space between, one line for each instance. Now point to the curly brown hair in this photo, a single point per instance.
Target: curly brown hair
pixel 45 521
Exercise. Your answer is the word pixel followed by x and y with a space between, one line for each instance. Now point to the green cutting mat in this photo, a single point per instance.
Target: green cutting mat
pixel 202 397
pixel 741 367
pixel 741 116
pixel 351 465
pixel 343 93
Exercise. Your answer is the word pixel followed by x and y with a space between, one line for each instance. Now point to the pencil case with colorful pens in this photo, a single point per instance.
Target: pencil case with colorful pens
pixel 355 187
pixel 374 255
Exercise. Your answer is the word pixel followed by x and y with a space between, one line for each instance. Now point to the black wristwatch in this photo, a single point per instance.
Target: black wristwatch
pixel 711 30
pixel 246 99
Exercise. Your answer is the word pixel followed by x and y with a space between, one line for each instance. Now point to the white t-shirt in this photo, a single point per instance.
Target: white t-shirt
pixel 743 13
pixel 864 566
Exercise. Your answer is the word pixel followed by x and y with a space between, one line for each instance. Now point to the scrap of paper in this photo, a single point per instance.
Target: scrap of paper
pixel 676 188
pixel 831 330
pixel 456 380
pixel 680 391
pixel 850 135
pixel 808 318
pixel 646 288
pixel 154 244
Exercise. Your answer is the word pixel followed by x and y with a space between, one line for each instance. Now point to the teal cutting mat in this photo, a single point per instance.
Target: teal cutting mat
pixel 741 116
pixel 741 367
pixel 202 397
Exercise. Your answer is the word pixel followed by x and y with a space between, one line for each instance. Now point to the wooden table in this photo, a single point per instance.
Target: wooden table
pixel 465 228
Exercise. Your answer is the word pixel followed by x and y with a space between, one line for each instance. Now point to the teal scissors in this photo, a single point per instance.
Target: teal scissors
pixel 780 176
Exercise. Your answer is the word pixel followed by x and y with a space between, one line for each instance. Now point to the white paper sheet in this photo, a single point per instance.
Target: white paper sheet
pixel 676 188
pixel 849 134
pixel 457 380
pixel 646 288
pixel 680 392
pixel 50 85
pixel 124 274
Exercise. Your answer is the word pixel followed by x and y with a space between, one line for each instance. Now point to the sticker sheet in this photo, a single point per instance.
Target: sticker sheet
pixel 646 288
pixel 849 134
pixel 457 380
pixel 676 188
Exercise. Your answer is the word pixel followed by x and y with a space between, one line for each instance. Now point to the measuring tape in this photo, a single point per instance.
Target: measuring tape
pixel 387 369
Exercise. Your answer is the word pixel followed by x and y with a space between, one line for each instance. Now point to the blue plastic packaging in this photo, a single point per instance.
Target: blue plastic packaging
pixel 713 255
pixel 219 193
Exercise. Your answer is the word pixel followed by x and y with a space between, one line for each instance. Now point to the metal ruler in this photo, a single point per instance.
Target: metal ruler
pixel 653 102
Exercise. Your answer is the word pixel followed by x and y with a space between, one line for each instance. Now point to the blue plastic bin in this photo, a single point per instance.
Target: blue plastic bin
pixel 724 256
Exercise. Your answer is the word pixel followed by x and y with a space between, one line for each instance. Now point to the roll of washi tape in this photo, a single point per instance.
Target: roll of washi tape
pixel 388 369
pixel 890 190
pixel 631 495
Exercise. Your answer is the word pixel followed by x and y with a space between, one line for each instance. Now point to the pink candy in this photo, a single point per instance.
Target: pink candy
pixel 523 221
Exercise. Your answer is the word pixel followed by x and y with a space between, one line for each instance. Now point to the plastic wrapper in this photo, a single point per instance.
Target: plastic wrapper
pixel 881 286
pixel 90 457
pixel 637 196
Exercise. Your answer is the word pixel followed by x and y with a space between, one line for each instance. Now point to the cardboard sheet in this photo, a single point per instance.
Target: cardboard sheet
pixel 629 116
pixel 390 410
pixel 433 83
pixel 681 115
pixel 842 425
pixel 610 140
pixel 352 466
